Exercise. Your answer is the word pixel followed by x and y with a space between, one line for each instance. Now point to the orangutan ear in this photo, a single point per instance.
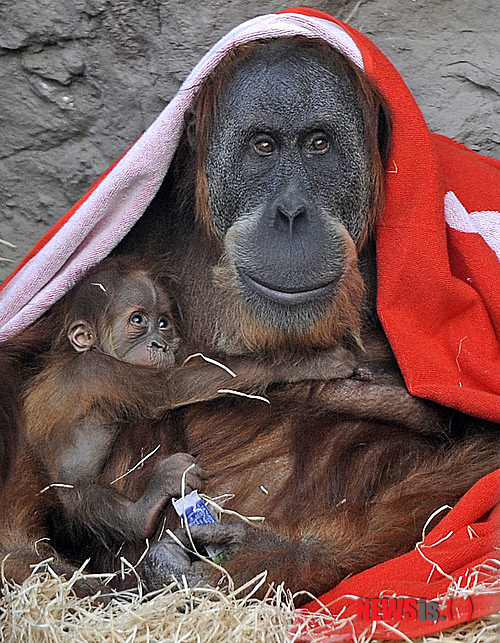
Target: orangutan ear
pixel 81 336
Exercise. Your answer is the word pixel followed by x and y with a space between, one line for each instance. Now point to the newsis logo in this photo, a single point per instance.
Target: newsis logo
pixel 411 609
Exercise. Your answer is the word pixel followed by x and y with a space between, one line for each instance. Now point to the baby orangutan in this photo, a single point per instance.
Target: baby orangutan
pixel 111 366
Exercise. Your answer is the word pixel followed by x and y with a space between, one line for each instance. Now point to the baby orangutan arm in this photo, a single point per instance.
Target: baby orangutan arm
pixel 112 517
pixel 75 411
pixel 93 506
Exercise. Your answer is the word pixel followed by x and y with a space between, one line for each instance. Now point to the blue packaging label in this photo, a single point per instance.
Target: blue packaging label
pixel 193 510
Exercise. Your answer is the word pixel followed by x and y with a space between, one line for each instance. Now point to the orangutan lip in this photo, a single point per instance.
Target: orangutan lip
pixel 286 296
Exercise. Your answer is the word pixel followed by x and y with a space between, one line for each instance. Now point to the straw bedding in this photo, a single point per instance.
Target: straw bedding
pixel 45 610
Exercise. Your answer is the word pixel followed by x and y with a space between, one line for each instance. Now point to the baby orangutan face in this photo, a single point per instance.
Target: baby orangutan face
pixel 128 318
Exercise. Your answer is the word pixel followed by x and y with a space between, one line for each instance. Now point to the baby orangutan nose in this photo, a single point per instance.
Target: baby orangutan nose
pixel 161 352
pixel 158 345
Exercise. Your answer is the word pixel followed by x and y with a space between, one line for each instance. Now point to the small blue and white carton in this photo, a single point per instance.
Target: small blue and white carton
pixel 194 511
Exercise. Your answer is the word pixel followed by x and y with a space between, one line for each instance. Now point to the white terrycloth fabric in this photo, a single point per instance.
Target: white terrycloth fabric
pixel 110 211
pixel 485 223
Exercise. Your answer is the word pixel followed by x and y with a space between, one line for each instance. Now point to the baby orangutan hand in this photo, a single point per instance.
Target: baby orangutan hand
pixel 166 483
pixel 246 551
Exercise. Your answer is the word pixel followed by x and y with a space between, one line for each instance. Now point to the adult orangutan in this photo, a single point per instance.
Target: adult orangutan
pixel 285 155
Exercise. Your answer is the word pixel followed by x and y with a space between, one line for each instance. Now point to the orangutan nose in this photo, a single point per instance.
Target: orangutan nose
pixel 159 346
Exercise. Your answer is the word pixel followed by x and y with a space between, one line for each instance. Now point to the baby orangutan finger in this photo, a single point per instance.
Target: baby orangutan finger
pixel 169 473
pixel 195 479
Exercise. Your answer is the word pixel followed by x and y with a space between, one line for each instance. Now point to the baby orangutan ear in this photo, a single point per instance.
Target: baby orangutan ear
pixel 81 336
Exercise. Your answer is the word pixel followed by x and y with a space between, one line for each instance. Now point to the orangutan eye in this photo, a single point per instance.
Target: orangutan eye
pixel 319 144
pixel 164 323
pixel 264 145
pixel 138 319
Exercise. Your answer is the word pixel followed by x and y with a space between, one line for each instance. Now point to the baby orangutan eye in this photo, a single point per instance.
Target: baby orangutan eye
pixel 138 319
pixel 164 323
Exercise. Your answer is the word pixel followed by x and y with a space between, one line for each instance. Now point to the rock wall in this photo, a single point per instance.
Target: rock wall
pixel 81 79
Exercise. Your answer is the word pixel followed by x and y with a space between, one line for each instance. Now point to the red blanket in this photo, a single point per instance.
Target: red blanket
pixel 438 299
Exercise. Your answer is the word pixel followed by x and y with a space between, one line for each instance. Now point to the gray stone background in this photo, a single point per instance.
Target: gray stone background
pixel 81 79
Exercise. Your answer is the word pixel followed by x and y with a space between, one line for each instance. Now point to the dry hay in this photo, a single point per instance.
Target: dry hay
pixel 45 609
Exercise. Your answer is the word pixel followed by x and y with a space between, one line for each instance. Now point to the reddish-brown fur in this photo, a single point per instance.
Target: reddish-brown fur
pixel 18 361
pixel 343 491
pixel 10 417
